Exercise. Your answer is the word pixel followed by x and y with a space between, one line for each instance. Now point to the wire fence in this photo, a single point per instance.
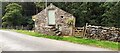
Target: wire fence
pixel 28 27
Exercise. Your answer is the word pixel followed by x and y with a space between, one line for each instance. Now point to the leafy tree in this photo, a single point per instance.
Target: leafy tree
pixel 111 17
pixel 94 13
pixel 39 6
pixel 29 8
pixel 13 15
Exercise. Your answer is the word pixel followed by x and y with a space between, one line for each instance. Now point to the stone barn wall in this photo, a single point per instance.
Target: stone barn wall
pixel 61 17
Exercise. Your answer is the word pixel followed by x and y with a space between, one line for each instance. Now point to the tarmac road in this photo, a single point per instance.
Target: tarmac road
pixel 13 41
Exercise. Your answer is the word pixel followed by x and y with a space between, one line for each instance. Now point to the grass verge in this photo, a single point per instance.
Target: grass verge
pixel 92 42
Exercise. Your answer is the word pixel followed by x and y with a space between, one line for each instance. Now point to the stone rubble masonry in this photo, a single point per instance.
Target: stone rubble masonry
pixel 61 18
pixel 41 21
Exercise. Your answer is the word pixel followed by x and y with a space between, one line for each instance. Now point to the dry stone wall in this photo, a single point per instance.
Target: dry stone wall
pixel 99 33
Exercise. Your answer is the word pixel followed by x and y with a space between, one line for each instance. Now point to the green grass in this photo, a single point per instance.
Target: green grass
pixel 92 42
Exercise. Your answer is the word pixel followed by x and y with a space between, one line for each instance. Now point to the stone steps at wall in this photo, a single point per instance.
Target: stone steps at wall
pixel 56 31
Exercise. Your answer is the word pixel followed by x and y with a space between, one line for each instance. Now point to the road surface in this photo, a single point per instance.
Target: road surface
pixel 13 41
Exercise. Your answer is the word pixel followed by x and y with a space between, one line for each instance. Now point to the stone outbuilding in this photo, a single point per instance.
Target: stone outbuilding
pixel 54 21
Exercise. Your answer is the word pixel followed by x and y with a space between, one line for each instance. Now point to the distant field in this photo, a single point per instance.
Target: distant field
pixel 91 42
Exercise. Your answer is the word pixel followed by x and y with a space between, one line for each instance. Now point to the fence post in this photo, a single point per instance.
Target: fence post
pixel 85 29
pixel 22 27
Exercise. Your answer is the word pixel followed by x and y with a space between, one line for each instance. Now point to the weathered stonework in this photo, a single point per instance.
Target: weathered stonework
pixel 61 18
pixel 62 27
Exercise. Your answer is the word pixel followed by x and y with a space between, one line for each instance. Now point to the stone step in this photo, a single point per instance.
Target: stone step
pixel 54 29
pixel 58 33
